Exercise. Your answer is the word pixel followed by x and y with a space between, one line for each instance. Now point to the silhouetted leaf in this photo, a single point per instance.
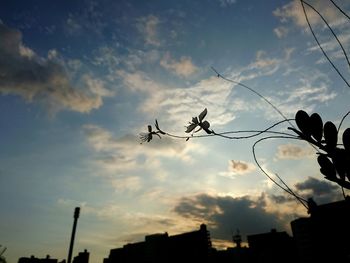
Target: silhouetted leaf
pixel 339 161
pixel 149 128
pixel 202 115
pixel 191 127
pixel 327 167
pixel 316 126
pixel 159 130
pixel 302 120
pixel 346 140
pixel 330 135
pixel 205 126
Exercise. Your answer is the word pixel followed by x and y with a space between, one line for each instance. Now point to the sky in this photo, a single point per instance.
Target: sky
pixel 80 80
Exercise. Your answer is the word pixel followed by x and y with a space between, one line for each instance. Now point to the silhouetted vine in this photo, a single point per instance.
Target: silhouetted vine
pixel 332 157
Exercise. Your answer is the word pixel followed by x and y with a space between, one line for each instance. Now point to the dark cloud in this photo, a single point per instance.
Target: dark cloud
pixel 321 190
pixel 34 78
pixel 226 214
pixel 282 199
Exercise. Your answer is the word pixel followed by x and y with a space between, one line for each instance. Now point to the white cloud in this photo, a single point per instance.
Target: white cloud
pixel 73 27
pixel 332 47
pixel 97 86
pixel 225 3
pixel 211 93
pixel 281 31
pixel 183 68
pixel 129 183
pixel 121 155
pixel 313 88
pixel 262 61
pixel 263 65
pixel 138 81
pixel 177 103
pixel 139 57
pixel 106 56
pixel 26 52
pixel 148 27
pixel 293 11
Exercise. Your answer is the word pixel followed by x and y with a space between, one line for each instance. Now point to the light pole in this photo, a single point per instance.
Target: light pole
pixel 76 216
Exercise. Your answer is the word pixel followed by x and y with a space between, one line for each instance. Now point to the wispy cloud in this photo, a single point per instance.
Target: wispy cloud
pixel 293 151
pixel 183 68
pixel 148 27
pixel 73 27
pixel 88 19
pixel 120 156
pixel 128 183
pixel 225 3
pixel 177 103
pixel 281 31
pixel 293 11
pixel 262 65
pixel 332 47
pixel 106 56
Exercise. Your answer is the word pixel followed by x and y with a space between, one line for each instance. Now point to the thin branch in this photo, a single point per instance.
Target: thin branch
pixel 342 120
pixel 223 134
pixel 333 33
pixel 287 190
pixel 341 10
pixel 257 132
pixel 255 92
pixel 302 199
pixel 319 45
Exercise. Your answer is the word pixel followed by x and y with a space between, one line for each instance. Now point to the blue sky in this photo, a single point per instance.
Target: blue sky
pixel 79 80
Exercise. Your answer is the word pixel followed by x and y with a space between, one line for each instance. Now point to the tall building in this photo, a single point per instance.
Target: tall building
pixel 192 246
pixel 325 234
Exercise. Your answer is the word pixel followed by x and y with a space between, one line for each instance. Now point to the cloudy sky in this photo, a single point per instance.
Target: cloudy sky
pixel 79 80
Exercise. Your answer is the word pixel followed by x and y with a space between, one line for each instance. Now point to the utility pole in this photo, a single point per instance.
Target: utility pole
pixel 76 216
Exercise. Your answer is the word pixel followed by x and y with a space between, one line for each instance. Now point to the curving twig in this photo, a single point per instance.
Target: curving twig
pixel 319 44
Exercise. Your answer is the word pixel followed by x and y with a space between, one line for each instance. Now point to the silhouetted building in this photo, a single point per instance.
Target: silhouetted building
pixel 325 234
pixel 83 257
pixel 233 255
pixel 187 247
pixel 237 254
pixel 272 247
pixel 33 259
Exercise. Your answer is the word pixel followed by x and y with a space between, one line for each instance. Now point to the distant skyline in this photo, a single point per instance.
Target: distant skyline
pixel 79 80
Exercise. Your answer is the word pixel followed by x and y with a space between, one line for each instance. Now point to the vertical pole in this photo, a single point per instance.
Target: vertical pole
pixel 76 216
